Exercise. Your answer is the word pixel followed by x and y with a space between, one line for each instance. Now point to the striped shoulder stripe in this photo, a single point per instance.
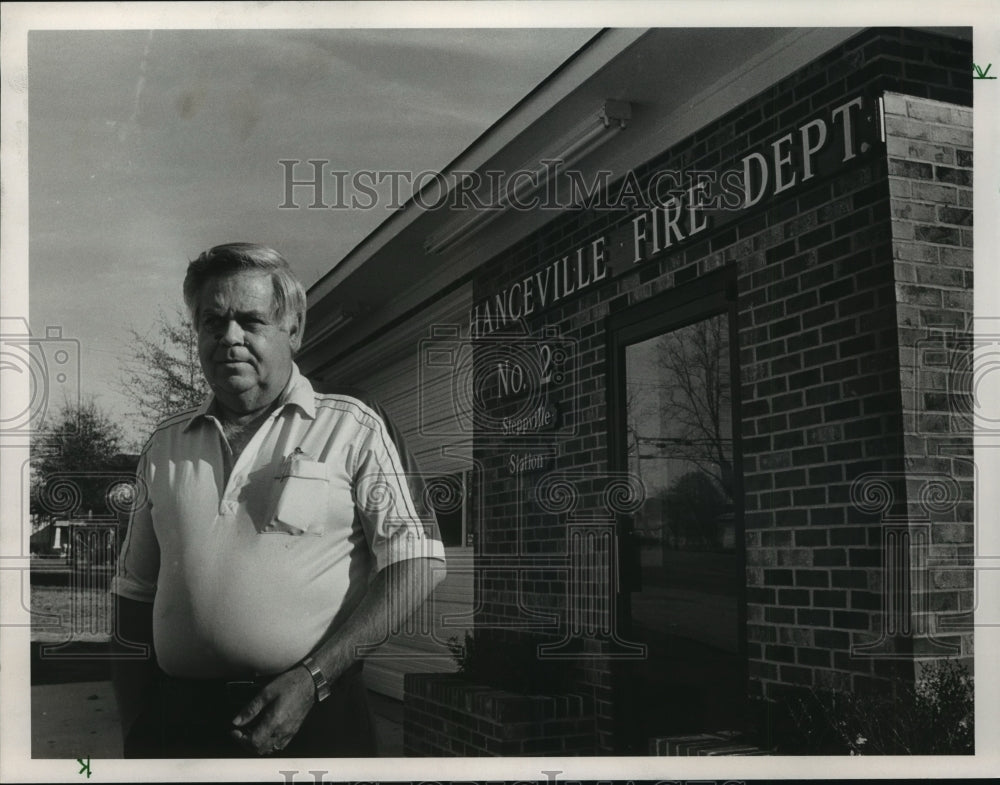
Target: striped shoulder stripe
pixel 370 415
pixel 347 403
pixel 367 415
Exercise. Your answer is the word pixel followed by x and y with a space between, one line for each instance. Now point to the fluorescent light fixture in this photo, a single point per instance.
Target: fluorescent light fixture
pixel 598 129
pixel 342 317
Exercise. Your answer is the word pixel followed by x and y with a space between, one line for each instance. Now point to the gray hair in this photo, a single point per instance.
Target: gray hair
pixel 234 258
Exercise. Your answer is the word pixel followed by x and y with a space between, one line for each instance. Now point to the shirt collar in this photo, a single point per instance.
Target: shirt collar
pixel 298 392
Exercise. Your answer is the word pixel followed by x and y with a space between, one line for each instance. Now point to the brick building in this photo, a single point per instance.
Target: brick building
pixel 696 396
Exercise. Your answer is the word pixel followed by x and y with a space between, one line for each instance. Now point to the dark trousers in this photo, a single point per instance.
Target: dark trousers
pixel 193 719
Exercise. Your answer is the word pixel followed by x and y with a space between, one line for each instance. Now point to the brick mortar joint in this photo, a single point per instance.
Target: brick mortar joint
pixel 935 123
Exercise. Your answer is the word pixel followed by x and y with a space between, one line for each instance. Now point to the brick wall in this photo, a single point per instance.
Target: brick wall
pixel 445 716
pixel 929 148
pixel 820 383
pixel 820 407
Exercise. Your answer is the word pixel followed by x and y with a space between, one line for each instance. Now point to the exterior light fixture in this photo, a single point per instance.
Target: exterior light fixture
pixel 342 316
pixel 598 129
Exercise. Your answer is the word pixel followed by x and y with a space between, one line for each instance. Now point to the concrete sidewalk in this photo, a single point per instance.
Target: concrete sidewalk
pixel 74 720
pixel 80 720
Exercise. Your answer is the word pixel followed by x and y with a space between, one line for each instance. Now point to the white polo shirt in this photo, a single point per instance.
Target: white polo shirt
pixel 248 576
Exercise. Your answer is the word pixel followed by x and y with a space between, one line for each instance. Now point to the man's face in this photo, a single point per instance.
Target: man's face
pixel 245 349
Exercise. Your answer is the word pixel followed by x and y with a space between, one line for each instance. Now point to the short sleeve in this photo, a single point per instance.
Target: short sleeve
pixel 390 499
pixel 139 560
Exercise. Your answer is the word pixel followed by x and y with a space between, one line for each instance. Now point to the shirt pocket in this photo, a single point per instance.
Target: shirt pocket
pixel 303 503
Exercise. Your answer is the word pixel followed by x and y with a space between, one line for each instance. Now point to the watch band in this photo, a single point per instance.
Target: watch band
pixel 319 680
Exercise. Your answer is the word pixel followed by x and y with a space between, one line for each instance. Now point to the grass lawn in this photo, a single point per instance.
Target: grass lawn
pixel 59 614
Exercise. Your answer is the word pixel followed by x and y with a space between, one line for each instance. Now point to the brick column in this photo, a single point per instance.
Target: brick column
pixel 929 146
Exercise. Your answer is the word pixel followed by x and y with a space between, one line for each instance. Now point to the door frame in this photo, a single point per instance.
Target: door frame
pixel 709 295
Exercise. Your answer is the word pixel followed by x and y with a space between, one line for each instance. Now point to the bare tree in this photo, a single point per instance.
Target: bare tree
pixel 635 414
pixel 699 390
pixel 163 374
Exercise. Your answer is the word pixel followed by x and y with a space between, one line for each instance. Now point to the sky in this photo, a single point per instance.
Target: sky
pixel 148 147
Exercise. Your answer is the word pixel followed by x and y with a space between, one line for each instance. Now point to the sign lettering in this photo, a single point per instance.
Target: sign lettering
pixel 676 207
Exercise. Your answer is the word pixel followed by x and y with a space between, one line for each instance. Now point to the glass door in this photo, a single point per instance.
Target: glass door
pixel 684 591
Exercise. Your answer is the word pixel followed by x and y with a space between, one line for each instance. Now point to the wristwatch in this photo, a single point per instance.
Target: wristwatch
pixel 319 680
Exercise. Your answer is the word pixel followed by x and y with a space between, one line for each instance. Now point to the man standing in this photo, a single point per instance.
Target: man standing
pixel 275 535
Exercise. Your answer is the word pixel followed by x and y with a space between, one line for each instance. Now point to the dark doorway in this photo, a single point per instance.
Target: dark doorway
pixel 673 390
